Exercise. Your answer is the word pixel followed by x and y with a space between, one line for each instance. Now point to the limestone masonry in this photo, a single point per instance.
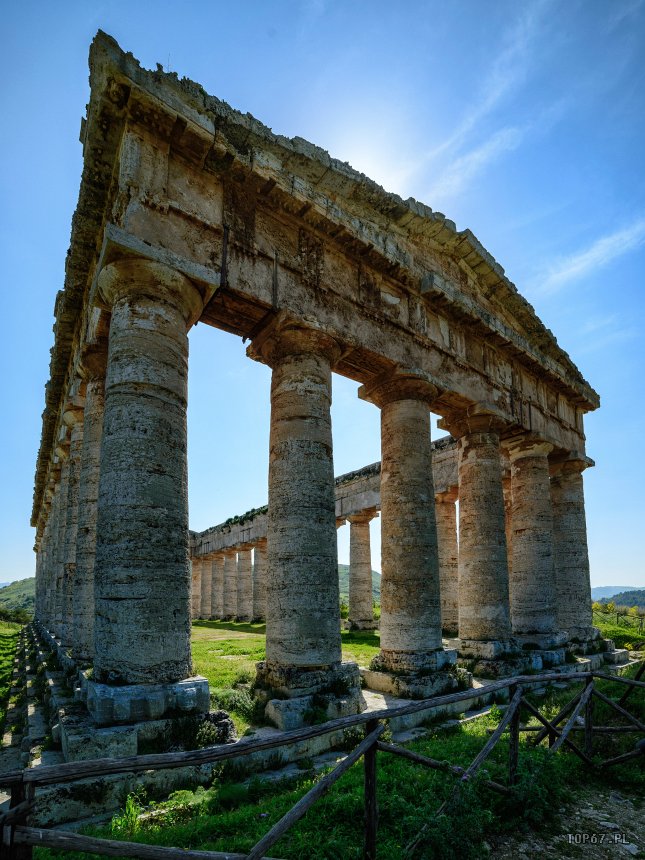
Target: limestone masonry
pixel 192 212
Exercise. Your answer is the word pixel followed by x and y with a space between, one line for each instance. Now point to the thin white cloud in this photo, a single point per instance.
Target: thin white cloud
pixel 607 339
pixel 599 254
pixel 460 172
pixel 507 73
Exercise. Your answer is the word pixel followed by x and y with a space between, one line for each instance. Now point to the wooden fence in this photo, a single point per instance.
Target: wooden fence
pixel 624 618
pixel 18 838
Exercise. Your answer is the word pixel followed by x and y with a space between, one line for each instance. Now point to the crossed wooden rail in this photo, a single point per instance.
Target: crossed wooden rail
pixel 18 839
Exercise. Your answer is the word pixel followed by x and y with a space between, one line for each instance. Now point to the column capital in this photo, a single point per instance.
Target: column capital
pixel 93 360
pixel 138 277
pixel 478 418
pixel 285 335
pixel 448 497
pixel 399 384
pixel 570 465
pixel 526 445
pixel 363 516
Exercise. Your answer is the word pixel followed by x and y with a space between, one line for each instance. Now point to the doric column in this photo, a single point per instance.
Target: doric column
pixel 49 610
pixel 573 586
pixel 230 583
pixel 73 418
pixel 244 585
pixel 93 365
pixel 410 598
pixel 361 605
pixel 484 617
pixel 260 580
pixel 196 564
pixel 61 521
pixel 533 610
pixel 142 572
pixel 43 583
pixel 217 589
pixel 207 588
pixel 508 523
pixel 303 613
pixel 446 514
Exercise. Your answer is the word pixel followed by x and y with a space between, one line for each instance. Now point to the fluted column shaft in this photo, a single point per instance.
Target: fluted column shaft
pixel 217 589
pixel 571 556
pixel 74 419
pixel 410 592
pixel 142 579
pixel 61 523
pixel 96 360
pixel 361 604
pixel 483 568
pixel 260 580
pixel 206 589
pixel 303 613
pixel 533 610
pixel 230 583
pixel 196 587
pixel 244 585
pixel 446 514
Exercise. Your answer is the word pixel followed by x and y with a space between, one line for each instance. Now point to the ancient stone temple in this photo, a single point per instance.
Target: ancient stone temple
pixel 192 212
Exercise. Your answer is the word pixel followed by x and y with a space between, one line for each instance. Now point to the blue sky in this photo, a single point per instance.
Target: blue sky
pixel 523 121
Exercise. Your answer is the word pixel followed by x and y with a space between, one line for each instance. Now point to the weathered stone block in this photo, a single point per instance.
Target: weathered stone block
pixel 410 685
pixel 80 744
pixel 134 702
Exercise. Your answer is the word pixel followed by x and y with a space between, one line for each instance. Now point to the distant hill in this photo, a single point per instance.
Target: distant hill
pixel 633 597
pixel 601 591
pixel 343 578
pixel 19 595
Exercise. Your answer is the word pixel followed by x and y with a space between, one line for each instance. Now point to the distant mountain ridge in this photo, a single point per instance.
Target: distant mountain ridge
pixel 343 581
pixel 19 595
pixel 633 597
pixel 609 590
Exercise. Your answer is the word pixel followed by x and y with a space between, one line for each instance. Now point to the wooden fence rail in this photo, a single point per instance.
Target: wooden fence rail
pixel 18 839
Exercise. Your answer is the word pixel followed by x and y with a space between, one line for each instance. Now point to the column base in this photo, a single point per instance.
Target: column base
pixel 297 697
pixel 487 649
pixel 131 703
pixel 414 662
pixel 583 635
pixel 530 641
pixel 368 624
pixel 416 675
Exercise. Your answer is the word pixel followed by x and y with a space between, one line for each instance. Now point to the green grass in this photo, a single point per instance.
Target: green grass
pixel 360 645
pixel 232 817
pixel 9 633
pixel 622 635
pixel 226 653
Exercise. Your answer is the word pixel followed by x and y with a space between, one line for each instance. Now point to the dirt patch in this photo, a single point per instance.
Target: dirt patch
pixel 602 823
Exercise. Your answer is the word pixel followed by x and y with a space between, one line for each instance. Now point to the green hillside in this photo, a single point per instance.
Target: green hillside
pixel 634 597
pixel 343 578
pixel 19 595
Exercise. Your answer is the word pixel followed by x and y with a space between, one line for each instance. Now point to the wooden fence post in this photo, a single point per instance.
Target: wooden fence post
pixel 589 720
pixel 371 804
pixel 514 742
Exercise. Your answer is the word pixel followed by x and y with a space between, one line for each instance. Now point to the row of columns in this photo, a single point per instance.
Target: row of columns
pixel 230 584
pixel 113 539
